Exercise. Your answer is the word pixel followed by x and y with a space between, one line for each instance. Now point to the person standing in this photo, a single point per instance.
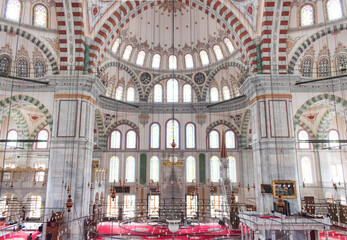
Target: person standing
pixel 30 237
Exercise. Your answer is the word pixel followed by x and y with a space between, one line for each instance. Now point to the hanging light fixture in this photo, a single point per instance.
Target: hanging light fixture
pixel 69 203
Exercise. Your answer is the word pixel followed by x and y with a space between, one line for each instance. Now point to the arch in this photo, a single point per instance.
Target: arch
pixel 127 69
pixel 169 76
pixel 129 9
pixel 242 141
pixel 310 40
pixel 322 132
pixel 226 123
pixel 307 129
pixel 35 40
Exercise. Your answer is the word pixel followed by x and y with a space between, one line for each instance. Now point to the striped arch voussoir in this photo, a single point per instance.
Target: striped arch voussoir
pixel 219 122
pixel 101 127
pixel 325 121
pixel 244 129
pixel 21 125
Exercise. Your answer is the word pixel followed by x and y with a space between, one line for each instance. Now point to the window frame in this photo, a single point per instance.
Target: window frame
pixel 128 94
pixel 119 43
pixel 208 58
pixel 159 64
pixel 150 135
pixel 313 14
pixel 194 177
pixel 183 93
pixel 196 196
pixel 20 11
pixel 185 133
pixel 215 54
pixel 126 170
pixel 33 14
pixel 338 134
pixel 318 65
pixel 37 135
pixel 9 63
pixel 149 195
pixel 109 172
pixel 309 137
pixel 136 138
pixel 6 146
pixel 161 97
pixel 144 58
pixel 131 52
pixel 185 62
pixel 150 169
pixel 109 137
pixel 179 134
pixel 208 139
pixel 17 66
pixel 235 138
pixel 327 11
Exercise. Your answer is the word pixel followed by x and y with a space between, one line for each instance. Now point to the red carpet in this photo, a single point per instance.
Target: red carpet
pixel 162 232
pixel 334 235
pixel 19 235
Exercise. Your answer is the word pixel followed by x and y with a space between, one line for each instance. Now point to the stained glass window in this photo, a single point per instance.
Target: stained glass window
pixel 23 68
pixel 115 139
pixel 232 169
pixel 187 93
pixel 190 169
pixel 35 206
pixel 216 203
pixel 172 90
pixel 172 62
pixel 12 135
pixel 114 169
pixel 190 135
pixel 13 10
pixel 226 93
pixel 323 67
pixel 307 16
pixel 40 15
pixel 192 206
pixel 153 205
pixel 214 139
pixel 154 169
pixel 112 206
pixel 141 58
pixel 156 61
pixel 42 136
pixel 130 169
pixel 116 45
pixel 127 52
pixel 307 67
pixel 131 139
pixel 218 51
pixel 131 94
pixel 5 65
pixel 129 206
pixel 158 93
pixel 172 132
pixel 229 44
pixel 334 136
pixel 230 139
pixel 39 69
pixel 214 94
pixel 303 135
pixel 342 64
pixel 119 93
pixel 306 168
pixel 204 58
pixel 155 135
pixel 334 8
pixel 215 169
pixel 189 61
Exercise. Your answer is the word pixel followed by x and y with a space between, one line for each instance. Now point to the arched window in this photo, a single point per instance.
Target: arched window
pixel 341 62
pixel 129 206
pixel 22 68
pixel 42 136
pixel 115 139
pixel 39 69
pixel 218 51
pixel 40 15
pixel 172 133
pixel 204 58
pixel 13 136
pixel 158 93
pixel 5 65
pixel 156 61
pixel 229 44
pixel 155 136
pixel 191 206
pixel 307 15
pixel 232 169
pixel 141 58
pixel 303 135
pixel 130 169
pixel 13 8
pixel 226 93
pixel 116 45
pixel 172 90
pixel 189 61
pixel 307 67
pixel 131 94
pixel 230 140
pixel 154 169
pixel 119 93
pixel 190 169
pixel 187 93
pixel 190 135
pixel 334 9
pixel 306 168
pixel 114 169
pixel 334 136
pixel 131 139
pixel 35 206
pixel 172 62
pixel 215 169
pixel 213 139
pixel 127 52
pixel 336 173
pixel 214 94
pixel 323 67
pixel 112 206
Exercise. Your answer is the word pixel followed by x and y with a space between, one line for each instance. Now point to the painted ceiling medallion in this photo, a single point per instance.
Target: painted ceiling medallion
pixel 199 78
pixel 145 78
pixel 167 6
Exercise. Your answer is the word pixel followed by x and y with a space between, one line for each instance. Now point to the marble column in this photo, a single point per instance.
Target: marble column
pixel 71 149
pixel 273 139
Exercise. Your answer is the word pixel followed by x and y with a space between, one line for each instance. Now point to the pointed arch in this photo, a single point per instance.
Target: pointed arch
pixel 225 123
pixel 244 129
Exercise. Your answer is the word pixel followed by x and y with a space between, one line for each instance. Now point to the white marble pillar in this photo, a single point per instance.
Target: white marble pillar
pixel 273 138
pixel 71 149
pixel 273 235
